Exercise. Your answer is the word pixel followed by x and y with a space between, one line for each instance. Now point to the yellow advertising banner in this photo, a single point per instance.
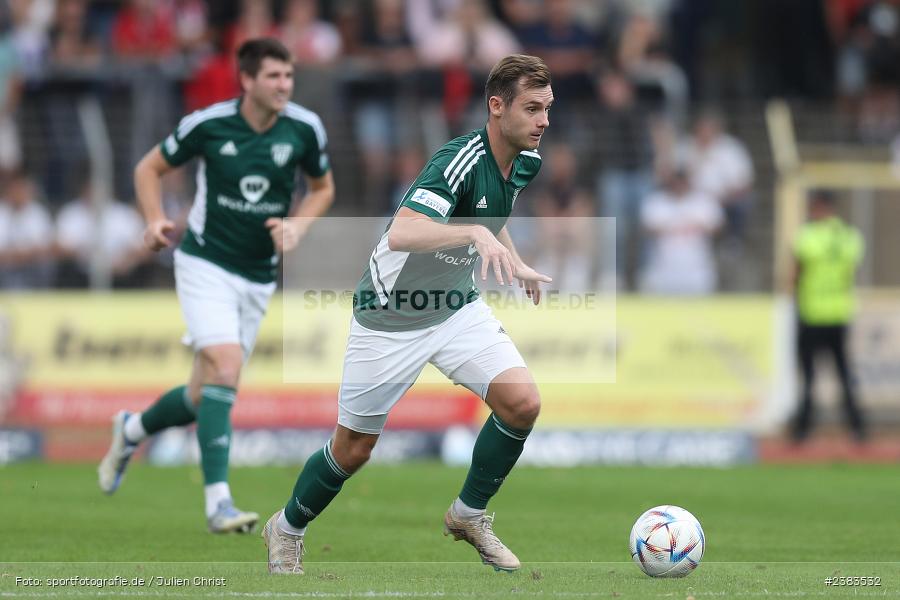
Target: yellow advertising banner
pixel 630 363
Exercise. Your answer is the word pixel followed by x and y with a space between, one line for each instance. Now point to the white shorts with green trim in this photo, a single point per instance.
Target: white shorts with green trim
pixel 471 348
pixel 219 307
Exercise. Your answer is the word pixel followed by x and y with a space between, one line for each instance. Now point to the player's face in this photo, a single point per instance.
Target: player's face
pixel 273 85
pixel 523 122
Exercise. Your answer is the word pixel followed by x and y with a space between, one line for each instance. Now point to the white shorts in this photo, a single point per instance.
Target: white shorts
pixel 471 348
pixel 219 307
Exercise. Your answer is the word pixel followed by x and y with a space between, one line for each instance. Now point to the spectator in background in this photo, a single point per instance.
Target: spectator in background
pixel 626 126
pixel 385 40
pixel 255 20
pixel 31 21
pixel 143 30
pixel 349 23
pixel 76 52
pixel 26 237
pixel 642 54
pixel 214 80
pixel 520 15
pixel 112 228
pixel 143 35
pixel 11 85
pixel 565 45
pixel 827 253
pixel 565 231
pixel 878 23
pixel 190 19
pixel 680 222
pixel 389 62
pixel 470 36
pixel 74 44
pixel 311 40
pixel 720 166
pixel 465 43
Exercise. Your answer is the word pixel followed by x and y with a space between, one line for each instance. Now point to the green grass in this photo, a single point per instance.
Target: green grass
pixel 771 531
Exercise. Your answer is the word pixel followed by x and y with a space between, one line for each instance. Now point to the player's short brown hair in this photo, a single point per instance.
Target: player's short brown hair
pixel 510 72
pixel 252 52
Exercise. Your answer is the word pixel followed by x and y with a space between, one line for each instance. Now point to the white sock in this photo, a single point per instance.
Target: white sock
pixel 134 430
pixel 465 511
pixel 287 528
pixel 215 493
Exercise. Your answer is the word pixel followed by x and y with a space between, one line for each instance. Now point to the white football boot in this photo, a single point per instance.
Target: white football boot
pixel 285 550
pixel 227 518
pixel 112 467
pixel 480 533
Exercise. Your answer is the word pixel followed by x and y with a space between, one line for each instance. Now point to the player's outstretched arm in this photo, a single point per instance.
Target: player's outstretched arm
pixel 286 234
pixel 413 231
pixel 147 185
pixel 528 278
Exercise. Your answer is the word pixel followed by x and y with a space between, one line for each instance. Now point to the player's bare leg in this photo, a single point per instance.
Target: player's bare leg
pixel 514 398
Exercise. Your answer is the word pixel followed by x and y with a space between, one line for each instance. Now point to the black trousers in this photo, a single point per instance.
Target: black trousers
pixel 811 340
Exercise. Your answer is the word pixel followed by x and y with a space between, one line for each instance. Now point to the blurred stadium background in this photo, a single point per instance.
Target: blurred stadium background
pixel 751 102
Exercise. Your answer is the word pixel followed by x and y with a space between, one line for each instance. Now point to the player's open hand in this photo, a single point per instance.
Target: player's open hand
pixel 494 255
pixel 286 233
pixel 531 280
pixel 156 235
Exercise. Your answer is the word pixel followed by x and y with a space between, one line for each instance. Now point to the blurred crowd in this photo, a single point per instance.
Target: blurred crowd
pixel 645 127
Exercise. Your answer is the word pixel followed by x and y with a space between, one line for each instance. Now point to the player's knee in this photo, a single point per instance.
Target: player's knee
pixel 524 407
pixel 352 449
pixel 223 369
pixel 352 454
pixel 359 453
pixel 226 374
pixel 529 407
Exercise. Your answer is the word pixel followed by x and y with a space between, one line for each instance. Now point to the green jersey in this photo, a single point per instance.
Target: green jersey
pixel 829 252
pixel 462 183
pixel 243 178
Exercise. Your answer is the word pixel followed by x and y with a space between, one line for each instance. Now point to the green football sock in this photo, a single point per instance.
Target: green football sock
pixel 214 431
pixel 318 484
pixel 173 409
pixel 496 451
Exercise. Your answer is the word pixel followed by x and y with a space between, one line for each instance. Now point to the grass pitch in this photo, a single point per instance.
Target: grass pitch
pixel 771 532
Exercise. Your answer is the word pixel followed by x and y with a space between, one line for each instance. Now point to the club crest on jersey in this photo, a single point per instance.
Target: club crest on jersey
pixel 254 187
pixel 281 153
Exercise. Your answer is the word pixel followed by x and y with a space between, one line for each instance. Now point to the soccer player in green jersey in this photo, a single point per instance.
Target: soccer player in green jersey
pixel 417 302
pixel 249 149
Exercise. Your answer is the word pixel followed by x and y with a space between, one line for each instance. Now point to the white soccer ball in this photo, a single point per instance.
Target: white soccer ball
pixel 667 541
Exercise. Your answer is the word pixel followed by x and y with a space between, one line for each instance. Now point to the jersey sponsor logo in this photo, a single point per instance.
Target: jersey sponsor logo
pixel 171 144
pixel 457 261
pixel 516 195
pixel 254 187
pixel 482 203
pixel 228 149
pixel 281 153
pixel 431 200
pixel 260 208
